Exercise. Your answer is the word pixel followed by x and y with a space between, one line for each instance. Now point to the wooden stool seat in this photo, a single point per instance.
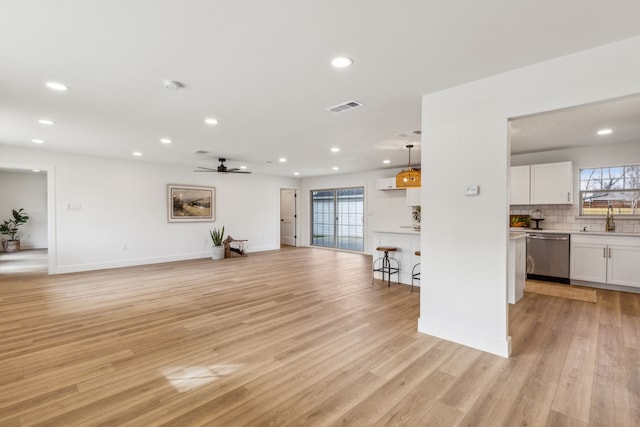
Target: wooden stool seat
pixel 386 249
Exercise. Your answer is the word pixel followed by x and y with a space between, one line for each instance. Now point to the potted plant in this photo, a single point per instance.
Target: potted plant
pixel 417 216
pixel 10 228
pixel 217 237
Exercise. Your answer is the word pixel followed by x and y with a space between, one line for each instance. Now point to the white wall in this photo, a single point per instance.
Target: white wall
pixel 383 209
pixel 125 203
pixel 464 240
pixel 26 190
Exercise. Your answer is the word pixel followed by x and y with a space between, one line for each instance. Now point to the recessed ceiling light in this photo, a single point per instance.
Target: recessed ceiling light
pixel 282 159
pixel 137 153
pixel 386 161
pixel 46 122
pixel 165 140
pixel 56 86
pixel 171 84
pixel 243 167
pixel 38 141
pixel 335 168
pixel 604 131
pixel 296 173
pixel 35 170
pixel 211 121
pixel 341 62
pixel 335 150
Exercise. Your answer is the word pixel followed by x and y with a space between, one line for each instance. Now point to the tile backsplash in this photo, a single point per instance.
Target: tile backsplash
pixel 565 217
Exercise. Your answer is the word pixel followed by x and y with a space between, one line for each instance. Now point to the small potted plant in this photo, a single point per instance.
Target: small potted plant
pixel 416 215
pixel 217 237
pixel 10 228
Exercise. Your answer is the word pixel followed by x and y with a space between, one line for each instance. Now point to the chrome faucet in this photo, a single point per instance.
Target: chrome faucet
pixel 610 224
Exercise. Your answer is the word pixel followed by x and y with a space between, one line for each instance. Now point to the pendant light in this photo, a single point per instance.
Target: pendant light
pixel 409 177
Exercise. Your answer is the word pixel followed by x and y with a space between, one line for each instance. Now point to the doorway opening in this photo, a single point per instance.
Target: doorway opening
pixel 337 218
pixel 30 187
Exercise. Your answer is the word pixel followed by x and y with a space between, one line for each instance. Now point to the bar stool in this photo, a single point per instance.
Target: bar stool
pixel 385 264
pixel 414 275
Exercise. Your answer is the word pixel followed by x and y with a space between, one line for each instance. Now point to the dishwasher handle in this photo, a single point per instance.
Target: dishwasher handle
pixel 541 237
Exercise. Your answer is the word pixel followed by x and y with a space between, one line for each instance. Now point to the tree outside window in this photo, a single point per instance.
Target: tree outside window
pixel 618 187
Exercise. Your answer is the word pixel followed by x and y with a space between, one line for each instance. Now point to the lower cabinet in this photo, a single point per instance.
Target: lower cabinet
pixel 611 260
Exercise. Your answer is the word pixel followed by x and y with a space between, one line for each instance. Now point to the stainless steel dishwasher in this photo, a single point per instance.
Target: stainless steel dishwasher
pixel 548 257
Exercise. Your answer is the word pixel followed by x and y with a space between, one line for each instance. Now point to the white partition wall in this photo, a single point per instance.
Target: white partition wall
pixel 465 142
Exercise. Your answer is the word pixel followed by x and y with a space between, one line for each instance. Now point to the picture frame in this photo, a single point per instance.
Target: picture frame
pixel 190 203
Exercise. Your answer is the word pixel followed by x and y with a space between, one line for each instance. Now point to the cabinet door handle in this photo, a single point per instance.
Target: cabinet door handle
pixel 568 196
pixel 604 252
pixel 609 252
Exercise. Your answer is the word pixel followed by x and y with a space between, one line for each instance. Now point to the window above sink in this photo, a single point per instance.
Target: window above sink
pixel 617 186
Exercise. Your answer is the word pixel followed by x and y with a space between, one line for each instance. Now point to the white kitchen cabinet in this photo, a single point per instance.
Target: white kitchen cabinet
pixel 386 183
pixel 519 183
pixel 623 267
pixel 588 261
pixel 612 260
pixel 551 184
pixel 413 196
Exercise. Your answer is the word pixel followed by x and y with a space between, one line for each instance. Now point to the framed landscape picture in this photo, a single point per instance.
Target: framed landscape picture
pixel 187 203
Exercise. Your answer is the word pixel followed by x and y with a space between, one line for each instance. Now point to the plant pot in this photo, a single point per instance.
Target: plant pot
pixel 217 252
pixel 11 245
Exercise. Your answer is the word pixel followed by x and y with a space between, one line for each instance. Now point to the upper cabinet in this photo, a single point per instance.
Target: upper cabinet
pixel 386 183
pixel 552 184
pixel 543 184
pixel 519 185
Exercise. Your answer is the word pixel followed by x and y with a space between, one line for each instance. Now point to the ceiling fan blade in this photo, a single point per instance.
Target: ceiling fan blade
pixel 220 169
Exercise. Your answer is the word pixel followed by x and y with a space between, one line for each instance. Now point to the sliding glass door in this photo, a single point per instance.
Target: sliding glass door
pixel 337 218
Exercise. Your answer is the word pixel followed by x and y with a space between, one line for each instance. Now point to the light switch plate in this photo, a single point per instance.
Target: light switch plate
pixel 471 190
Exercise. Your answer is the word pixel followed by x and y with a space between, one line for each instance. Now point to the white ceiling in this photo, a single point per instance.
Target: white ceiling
pixel 263 70
pixel 578 126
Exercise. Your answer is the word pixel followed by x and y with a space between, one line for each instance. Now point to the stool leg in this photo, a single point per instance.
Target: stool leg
pixel 385 267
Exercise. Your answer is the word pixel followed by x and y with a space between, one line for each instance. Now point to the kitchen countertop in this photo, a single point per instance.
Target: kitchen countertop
pixel 587 233
pixel 397 230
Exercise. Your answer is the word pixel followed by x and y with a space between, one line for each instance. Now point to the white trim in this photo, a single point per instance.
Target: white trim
pixel 469 338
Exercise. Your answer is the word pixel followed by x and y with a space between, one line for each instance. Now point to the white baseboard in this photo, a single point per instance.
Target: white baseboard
pixel 493 345
pixel 76 268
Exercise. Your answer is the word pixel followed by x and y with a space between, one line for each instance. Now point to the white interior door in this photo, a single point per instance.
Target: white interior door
pixel 288 216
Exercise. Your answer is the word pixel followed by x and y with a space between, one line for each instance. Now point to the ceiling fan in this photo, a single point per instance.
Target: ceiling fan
pixel 221 168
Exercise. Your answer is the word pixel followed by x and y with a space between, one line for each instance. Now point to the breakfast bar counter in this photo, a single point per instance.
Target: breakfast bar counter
pixel 407 241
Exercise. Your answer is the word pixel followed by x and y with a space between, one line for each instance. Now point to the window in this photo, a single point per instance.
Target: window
pixel 337 218
pixel 618 187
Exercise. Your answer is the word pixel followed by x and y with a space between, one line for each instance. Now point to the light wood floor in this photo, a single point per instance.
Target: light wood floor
pixel 297 337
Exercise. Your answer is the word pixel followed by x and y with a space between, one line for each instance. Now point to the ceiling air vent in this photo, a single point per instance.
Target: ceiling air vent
pixel 345 106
